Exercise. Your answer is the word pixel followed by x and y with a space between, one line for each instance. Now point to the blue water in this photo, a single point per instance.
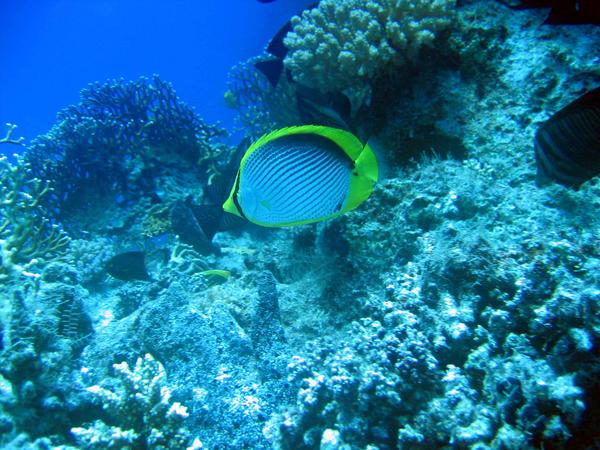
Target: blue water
pixel 51 49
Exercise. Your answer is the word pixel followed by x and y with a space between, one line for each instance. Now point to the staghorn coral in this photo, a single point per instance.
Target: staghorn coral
pixel 345 44
pixel 143 412
pixel 8 138
pixel 27 237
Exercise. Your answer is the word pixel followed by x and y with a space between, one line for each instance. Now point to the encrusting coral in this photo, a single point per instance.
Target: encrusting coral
pixel 345 43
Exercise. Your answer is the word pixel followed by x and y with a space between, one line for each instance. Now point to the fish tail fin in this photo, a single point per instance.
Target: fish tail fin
pixel 366 174
pixel 366 164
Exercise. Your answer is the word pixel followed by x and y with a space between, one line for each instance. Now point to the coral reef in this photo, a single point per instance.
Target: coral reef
pixel 44 333
pixel 119 140
pixel 459 307
pixel 142 409
pixel 207 353
pixel 27 237
pixel 261 107
pixel 361 388
pixel 11 127
pixel 373 52
pixel 347 43
pixel 472 337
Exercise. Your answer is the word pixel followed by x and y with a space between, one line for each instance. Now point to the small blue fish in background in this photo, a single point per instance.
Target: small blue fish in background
pixel 567 146
pixel 302 174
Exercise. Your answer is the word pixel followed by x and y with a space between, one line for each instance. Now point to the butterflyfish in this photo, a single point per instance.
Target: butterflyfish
pixel 303 174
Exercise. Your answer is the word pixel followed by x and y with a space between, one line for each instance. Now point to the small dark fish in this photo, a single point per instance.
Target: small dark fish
pixel 334 109
pixel 197 224
pixel 128 266
pixel 567 146
pixel 276 46
pixel 273 68
pixel 266 1
pixel 563 12
pixel 186 226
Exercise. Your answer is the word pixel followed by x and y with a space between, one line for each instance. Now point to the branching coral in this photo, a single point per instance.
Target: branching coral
pixel 185 260
pixel 8 138
pixel 26 236
pixel 343 44
pixel 260 106
pixel 144 414
pixel 118 140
